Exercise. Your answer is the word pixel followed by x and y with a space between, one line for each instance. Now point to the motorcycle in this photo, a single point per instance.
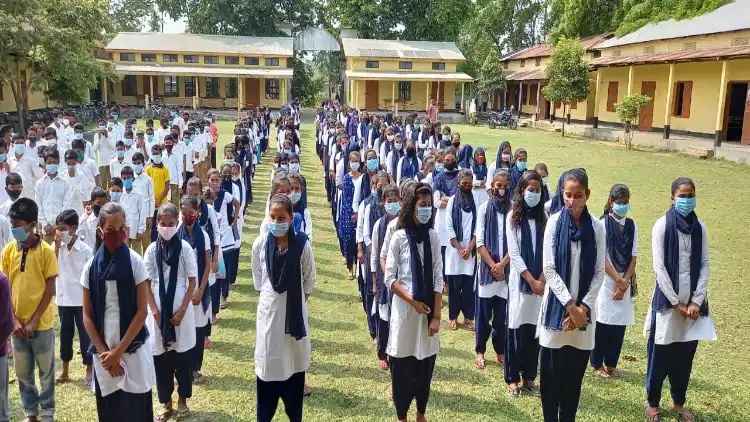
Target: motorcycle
pixel 506 119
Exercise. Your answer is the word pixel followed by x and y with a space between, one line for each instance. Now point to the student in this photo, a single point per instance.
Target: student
pixel 519 167
pixel 491 286
pixel 503 160
pixel 117 163
pixel 297 196
pixel 175 162
pixel 53 194
pixel 86 164
pixel 137 210
pixel 192 232
pixel 80 183
pixel 228 172
pixel 409 164
pixel 241 191
pixel 72 256
pixel 446 186
pixel 284 274
pixel 114 319
pixel 227 209
pixel 573 265
pixel 394 157
pixel 351 197
pixel 479 169
pixel 413 272
pixel 679 316
pixel 557 202
pixel 4 169
pixel 160 175
pixel 173 269
pixel 32 269
pixel 24 162
pixel 144 186
pixel 541 170
pixel 428 166
pixel 14 189
pixel 89 221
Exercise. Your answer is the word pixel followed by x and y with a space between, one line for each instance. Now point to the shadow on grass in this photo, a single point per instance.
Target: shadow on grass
pixel 210 416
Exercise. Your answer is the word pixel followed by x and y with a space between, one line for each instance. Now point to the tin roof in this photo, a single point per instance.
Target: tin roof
pixel 728 18
pixel 360 47
pixel 545 50
pixel 527 75
pixel 201 43
pixel 675 56
pixel 410 76
pixel 157 69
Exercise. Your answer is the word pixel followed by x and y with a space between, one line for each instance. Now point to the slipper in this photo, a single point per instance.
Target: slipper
pixel 685 416
pixel 164 413
pixel 532 390
pixel 453 325
pixel 513 392
pixel 181 414
pixel 469 325
pixel 655 417
pixel 479 362
pixel 62 380
pixel 602 373
pixel 306 392
pixel 224 305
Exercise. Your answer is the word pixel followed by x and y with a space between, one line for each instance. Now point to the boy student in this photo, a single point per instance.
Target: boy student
pixel 80 183
pixel 105 143
pixel 117 163
pixel 31 266
pixel 189 146
pixel 144 185
pixel 175 162
pixel 13 187
pixel 87 224
pixel 72 254
pixel 136 210
pixel 86 165
pixel 88 147
pixel 25 163
pixel 160 176
pixel 52 193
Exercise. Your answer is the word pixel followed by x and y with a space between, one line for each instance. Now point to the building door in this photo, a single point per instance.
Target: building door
pixel 646 118
pixel 252 93
pixel 372 97
pixel 440 97
pixel 734 110
pixel 746 119
pixel 147 86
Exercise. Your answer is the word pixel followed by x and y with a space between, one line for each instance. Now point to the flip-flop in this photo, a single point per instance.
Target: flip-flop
pixel 453 325
pixel 513 393
pixel 181 414
pixel 656 417
pixel 479 365
pixel 164 414
pixel 533 390
pixel 685 415
pixel 62 380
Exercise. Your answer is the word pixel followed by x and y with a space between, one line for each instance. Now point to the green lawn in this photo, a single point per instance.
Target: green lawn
pixel 346 382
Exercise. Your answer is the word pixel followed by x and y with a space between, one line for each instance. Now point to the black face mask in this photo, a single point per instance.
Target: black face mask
pixel 13 193
pixel 96 208
pixel 450 166
pixel 456 144
pixel 410 151
pixel 226 179
pixel 466 189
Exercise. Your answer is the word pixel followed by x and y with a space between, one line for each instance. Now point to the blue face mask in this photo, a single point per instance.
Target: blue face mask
pixel 416 126
pixel 187 140
pixel 439 167
pixel 521 165
pixel 278 229
pixel 424 214
pixel 532 198
pixel 115 196
pixel 20 234
pixel 621 209
pixel 684 205
pixel 287 151
pixel 156 159
pixel 392 208
pixel 52 168
pixel 77 135
pixel 115 116
pixel 295 197
pixel 127 183
pixel 19 149
pixel 102 128
pixel 138 168
pixel 128 142
pixel 372 164
pixel 150 138
pixel 3 157
pixel 121 153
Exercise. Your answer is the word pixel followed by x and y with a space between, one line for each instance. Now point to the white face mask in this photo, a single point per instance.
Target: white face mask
pixel 65 122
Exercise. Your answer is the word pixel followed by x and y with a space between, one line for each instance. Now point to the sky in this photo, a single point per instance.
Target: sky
pixel 175 27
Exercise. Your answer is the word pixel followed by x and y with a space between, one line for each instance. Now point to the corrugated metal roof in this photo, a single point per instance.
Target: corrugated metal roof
pixel 731 17
pixel 675 56
pixel 410 76
pixel 545 50
pixel 360 47
pixel 201 43
pixel 528 75
pixel 136 69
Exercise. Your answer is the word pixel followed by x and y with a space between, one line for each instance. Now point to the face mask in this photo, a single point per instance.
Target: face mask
pixel 114 239
pixel 127 183
pixel 65 122
pixel 500 193
pixel 187 140
pixel 295 197
pixel 79 156
pixel 167 233
pixel 684 205
pixel 480 161
pixel 189 220
pixel 138 168
pixel 391 137
pixel 19 149
pixel 456 144
pixel 278 229
pixel 206 129
pixel 20 234
pixel 466 189
pixel 621 209
pixel 424 214
pixel 120 153
pixel 521 165
pixel 95 209
pixel 13 193
pixel 66 237
pixel 52 141
pixel 354 166
pixel 150 138
pixel 128 142
pixel 173 113
pixel 450 166
pixel 416 126
pixel 169 148
pixel 285 166
pixel 506 157
pixel 439 167
pixel 372 164
pixel 410 151
pixel 115 196
pixel 115 116
pixel 398 145
pixel 294 167
pixel 392 208
pixel 3 157
pixel 156 159
pixel 52 168
pixel 102 128
pixel 446 137
pixel 532 198
pixel 544 181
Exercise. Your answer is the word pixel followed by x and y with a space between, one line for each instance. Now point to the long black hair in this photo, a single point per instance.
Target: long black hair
pixel 618 191
pixel 409 204
pixel 519 208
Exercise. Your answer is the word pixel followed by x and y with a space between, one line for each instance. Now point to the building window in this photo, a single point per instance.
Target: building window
pixel 169 58
pixel 404 65
pixel 171 86
pixel 231 60
pixel 231 87
pixel 538 62
pixel 251 61
pixel 683 95
pixel 438 66
pixel 505 65
pixel 612 96
pixel 372 64
pixel 148 58
pixel 272 89
pixel 648 50
pixel 190 86
pixel 523 63
pixel 740 41
pixel 130 85
pixel 212 87
pixel 190 58
pixel 404 91
pixel 211 59
pixel 597 54
pixel 272 61
pixel 688 46
pixel 127 57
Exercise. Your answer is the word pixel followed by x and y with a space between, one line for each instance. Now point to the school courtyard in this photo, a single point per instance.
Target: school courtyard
pixel 346 384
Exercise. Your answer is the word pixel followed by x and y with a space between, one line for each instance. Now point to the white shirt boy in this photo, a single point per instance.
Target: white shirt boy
pixel 53 195
pixel 135 212
pixel 71 260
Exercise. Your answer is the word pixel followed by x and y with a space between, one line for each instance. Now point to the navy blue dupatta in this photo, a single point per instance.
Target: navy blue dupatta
pixel 285 273
pixel 198 243
pixel 168 253
pixel 491 241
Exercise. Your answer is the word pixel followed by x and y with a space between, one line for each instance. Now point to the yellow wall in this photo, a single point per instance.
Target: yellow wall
pixel 181 59
pixel 391 65
pixel 8 103
pixel 677 44
pixel 418 100
pixel 584 109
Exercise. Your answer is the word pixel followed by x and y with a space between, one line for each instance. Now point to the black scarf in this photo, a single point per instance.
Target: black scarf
pixel 494 206
pixel 169 254
pixel 532 258
pixel 463 202
pixel 285 273
pixel 421 269
pixel 198 243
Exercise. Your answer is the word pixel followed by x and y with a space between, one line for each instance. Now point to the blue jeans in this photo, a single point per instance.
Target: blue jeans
pixel 29 353
pixel 4 405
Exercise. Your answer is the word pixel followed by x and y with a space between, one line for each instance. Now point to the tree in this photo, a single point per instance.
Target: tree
pixel 628 111
pixel 51 41
pixel 246 17
pixel 581 18
pixel 637 13
pixel 371 19
pixel 568 74
pixel 306 86
pixel 492 76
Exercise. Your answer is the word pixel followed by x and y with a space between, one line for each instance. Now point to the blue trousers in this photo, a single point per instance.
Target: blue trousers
pixel 562 373
pixel 171 365
pixel 199 348
pixel 460 296
pixel 490 308
pixel 669 360
pixel 232 261
pixel 122 406
pixel 29 355
pixel 216 295
pixel 71 319
pixel 384 329
pixel 521 354
pixel 290 391
pixel 607 346
pixel 410 380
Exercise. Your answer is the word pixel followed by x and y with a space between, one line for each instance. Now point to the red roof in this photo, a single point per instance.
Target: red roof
pixel 675 56
pixel 545 50
pixel 527 75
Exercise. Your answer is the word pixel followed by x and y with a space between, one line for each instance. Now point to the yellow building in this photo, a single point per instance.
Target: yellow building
pixel 212 70
pixel 401 75
pixel 696 71
pixel 35 99
pixel 525 75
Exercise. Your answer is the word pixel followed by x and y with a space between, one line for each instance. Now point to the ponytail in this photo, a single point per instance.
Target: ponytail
pixel 618 191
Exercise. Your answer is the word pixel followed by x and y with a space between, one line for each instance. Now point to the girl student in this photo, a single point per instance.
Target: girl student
pixel 614 305
pixel 519 167
pixel 227 210
pixel 350 199
pixel 394 157
pixel 385 144
pixel 284 273
pixel 299 203
pixel 172 265
pixel 460 257
pixel 192 232
pixel 479 169
pixel 541 170
pixel 503 160
pixel 573 265
pixel 414 275
pixel 491 285
pixel 115 302
pixel 408 165
pixel 557 202
pixel 445 186
pixel 525 225
pixel 238 188
pixel 428 166
pixel 679 316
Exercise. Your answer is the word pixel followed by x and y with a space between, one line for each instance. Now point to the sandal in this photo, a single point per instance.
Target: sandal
pixel 532 389
pixel 62 380
pixel 181 414
pixel 207 344
pixel 164 413
pixel 306 392
pixel 479 362
pixel 224 305
pixel 513 391
pixel 684 415
pixel 452 324
pixel 602 373
pixel 652 414
pixel 469 324
pixel 383 364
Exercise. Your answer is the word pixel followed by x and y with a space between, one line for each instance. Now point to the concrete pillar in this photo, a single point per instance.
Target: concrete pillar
pixel 538 97
pixel 356 94
pixel 393 96
pixel 240 97
pixel 631 74
pixel 427 100
pixel 463 105
pixel 151 84
pixel 597 89
pixel 520 98
pixel 282 94
pixel 720 106
pixel 668 105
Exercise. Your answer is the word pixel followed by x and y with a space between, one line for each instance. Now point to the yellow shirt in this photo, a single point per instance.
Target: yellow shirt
pixel 28 280
pixel 160 176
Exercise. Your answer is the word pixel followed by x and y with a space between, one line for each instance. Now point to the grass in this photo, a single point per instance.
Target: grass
pixel 346 382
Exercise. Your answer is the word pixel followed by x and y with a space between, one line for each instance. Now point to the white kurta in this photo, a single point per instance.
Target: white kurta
pixel 495 288
pixel 278 355
pixel 616 312
pixel 201 317
pixel 523 308
pixel 454 264
pixel 139 366
pixel 409 334
pixel 582 340
pixel 188 267
pixel 440 219
pixel 671 327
